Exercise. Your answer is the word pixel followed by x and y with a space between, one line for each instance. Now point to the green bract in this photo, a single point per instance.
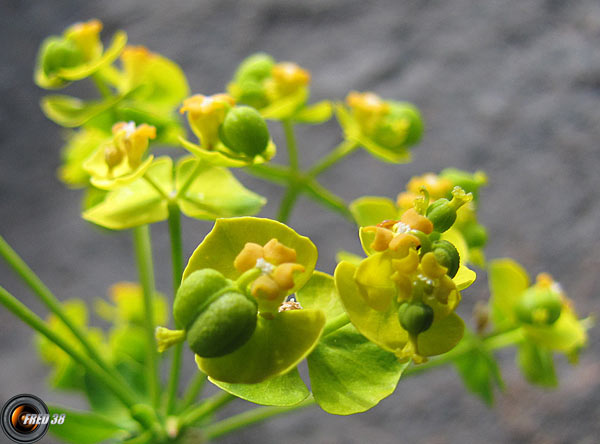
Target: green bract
pixel 209 193
pixel 278 344
pixel 62 60
pixel 534 308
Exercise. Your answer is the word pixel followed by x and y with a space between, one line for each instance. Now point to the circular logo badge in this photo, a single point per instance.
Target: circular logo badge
pixel 25 418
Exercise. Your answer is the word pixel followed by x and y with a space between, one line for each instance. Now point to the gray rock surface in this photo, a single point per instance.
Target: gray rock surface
pixel 510 87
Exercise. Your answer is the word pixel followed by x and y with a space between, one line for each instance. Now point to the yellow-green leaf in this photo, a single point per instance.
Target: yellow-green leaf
pixel 214 192
pixel 313 114
pixel 282 390
pixel 137 203
pixel 507 280
pixel 442 336
pixel 349 374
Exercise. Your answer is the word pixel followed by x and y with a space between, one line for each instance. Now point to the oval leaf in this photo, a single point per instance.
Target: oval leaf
pixel 349 374
pixel 507 280
pixel 283 390
pixel 214 192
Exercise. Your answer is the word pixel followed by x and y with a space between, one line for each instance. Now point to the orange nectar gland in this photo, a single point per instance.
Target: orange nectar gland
pixel 86 35
pixel 277 264
pixel 206 114
pixel 287 78
pixel 129 142
pixel 368 108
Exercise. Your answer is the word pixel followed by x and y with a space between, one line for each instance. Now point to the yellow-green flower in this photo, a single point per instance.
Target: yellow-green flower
pixel 77 54
pixel 121 161
pixel 385 128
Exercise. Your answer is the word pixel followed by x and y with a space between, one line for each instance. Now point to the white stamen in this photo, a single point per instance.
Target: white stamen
pixel 129 128
pixel 264 266
pixel 400 228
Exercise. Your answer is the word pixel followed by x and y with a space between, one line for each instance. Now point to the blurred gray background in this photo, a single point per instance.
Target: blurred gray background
pixel 510 87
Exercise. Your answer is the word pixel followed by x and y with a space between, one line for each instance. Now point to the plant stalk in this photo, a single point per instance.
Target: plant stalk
pixel 177 264
pixel 143 255
pixel 342 150
pixel 122 392
pixel 53 304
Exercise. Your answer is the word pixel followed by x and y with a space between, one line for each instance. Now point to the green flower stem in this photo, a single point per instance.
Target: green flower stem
pixel 190 179
pixel 193 390
pixel 287 204
pixel 53 304
pixel 143 254
pixel 177 264
pixel 251 417
pixel 205 409
pixel 90 364
pixel 292 146
pixel 103 88
pixel 294 185
pixel 490 343
pixel 274 173
pixel 342 150
pixel 322 195
pixel 335 324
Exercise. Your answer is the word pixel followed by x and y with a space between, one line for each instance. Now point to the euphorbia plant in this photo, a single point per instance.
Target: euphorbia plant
pixel 249 303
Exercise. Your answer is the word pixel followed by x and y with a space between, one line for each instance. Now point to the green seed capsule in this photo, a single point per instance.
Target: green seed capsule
pixel 539 305
pixel 251 93
pixel 60 53
pixel 475 235
pixel 400 128
pixel 447 255
pixel 441 214
pixel 415 317
pixel 217 318
pixel 255 68
pixel 224 326
pixel 245 131
pixel 194 293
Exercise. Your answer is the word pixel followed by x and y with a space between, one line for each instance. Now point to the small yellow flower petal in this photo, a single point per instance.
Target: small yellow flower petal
pixel 277 253
pixel 247 258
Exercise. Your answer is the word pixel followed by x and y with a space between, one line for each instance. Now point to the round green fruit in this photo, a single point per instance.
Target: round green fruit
pixel 539 305
pixel 415 317
pixel 224 326
pixel 447 255
pixel 245 131
pixel 59 54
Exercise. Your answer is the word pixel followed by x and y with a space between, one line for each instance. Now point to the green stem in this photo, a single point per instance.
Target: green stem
pixel 53 304
pixel 292 147
pixel 189 180
pixel 193 390
pixel 35 322
pixel 103 88
pixel 251 417
pixel 322 195
pixel 274 173
pixel 143 254
pixel 335 324
pixel 287 204
pixel 293 186
pixel 205 409
pixel 177 264
pixel 342 150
